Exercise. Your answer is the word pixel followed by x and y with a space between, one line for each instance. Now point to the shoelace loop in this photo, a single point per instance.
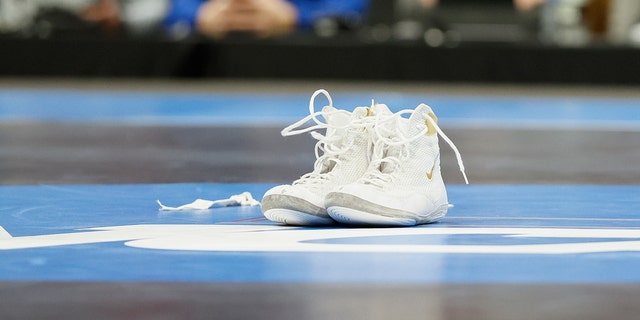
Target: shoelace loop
pixel 329 146
pixel 313 116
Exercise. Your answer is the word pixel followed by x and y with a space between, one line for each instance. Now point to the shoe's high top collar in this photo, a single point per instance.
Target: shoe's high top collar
pixel 397 138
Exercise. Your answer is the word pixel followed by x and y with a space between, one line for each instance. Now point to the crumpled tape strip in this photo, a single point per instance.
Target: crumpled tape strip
pixel 243 199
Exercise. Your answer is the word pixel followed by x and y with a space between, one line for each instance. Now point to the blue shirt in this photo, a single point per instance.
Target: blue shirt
pixel 185 11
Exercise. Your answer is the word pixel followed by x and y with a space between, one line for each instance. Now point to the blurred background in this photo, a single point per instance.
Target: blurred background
pixel 509 41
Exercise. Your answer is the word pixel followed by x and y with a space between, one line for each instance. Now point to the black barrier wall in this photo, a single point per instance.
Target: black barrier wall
pixel 321 59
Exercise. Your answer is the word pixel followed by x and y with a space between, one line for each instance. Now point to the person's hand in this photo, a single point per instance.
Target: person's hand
pixel 211 18
pixel 264 18
pixel 268 17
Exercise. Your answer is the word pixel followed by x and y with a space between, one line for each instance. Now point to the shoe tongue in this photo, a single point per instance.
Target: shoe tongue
pixel 379 109
pixel 388 128
pixel 337 124
pixel 360 112
pixel 384 125
pixel 336 119
pixel 394 128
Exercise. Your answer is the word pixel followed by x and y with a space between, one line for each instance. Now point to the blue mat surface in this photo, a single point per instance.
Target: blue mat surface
pixel 495 233
pixel 153 108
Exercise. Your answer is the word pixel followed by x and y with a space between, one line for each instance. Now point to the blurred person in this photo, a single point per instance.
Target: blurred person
pixel 624 22
pixel 46 17
pixel 595 15
pixel 261 18
pixel 521 5
pixel 448 22
pixel 581 22
pixel 19 15
pixel 136 16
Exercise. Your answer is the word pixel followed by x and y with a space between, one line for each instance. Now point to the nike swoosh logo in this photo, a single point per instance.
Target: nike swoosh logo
pixel 430 173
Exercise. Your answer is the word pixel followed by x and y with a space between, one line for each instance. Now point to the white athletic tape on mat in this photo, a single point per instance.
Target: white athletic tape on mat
pixel 243 199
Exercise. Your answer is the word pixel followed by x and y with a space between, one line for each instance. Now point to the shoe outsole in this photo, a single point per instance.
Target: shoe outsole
pixel 296 218
pixel 359 217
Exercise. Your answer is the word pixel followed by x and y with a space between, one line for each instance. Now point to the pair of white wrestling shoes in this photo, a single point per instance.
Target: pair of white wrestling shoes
pixel 373 167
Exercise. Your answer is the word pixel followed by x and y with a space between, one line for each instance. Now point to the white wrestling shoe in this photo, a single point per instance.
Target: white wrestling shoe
pixel 345 151
pixel 403 185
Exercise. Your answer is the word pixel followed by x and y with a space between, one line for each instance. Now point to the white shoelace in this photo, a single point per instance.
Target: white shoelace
pixel 400 140
pixel 327 144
